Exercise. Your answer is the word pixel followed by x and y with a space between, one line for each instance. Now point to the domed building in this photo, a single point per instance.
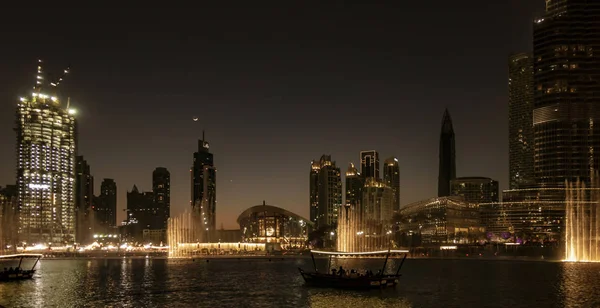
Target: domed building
pixel 271 224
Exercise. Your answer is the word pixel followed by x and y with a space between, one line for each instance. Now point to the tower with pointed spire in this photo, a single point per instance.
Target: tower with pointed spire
pixel 204 188
pixel 447 156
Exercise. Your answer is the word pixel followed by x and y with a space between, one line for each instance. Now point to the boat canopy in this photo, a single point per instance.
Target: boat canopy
pixel 23 255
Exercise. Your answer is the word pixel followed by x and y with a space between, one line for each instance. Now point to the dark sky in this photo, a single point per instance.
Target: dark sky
pixel 274 87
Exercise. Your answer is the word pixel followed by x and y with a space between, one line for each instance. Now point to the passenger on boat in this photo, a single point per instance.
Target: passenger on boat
pixel 342 271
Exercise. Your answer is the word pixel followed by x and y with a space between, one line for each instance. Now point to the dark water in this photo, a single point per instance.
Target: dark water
pixel 276 283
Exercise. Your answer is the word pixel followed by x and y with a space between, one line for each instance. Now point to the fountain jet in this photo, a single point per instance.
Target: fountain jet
pixel 582 221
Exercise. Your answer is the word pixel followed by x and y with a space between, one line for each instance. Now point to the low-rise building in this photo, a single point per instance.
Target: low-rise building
pixel 441 220
pixel 270 224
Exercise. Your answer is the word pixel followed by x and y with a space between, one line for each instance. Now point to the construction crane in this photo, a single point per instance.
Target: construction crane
pixel 40 82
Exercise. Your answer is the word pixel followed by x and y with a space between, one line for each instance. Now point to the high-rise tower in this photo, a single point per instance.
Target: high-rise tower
pixel 354 186
pixel 520 120
pixel 204 188
pixel 106 209
pixel 566 84
pixel 315 166
pixel 45 165
pixel 447 156
pixel 330 192
pixel 161 187
pixel 391 177
pixel 84 196
pixel 369 164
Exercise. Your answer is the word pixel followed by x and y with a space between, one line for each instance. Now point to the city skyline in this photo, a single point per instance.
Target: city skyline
pixel 240 125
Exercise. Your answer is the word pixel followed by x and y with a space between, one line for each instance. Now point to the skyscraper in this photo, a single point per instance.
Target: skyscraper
pixel 161 187
pixel 391 178
pixel 520 120
pixel 354 186
pixel 447 156
pixel 377 202
pixel 330 192
pixel 369 164
pixel 84 195
pixel 106 210
pixel 315 166
pixel 45 165
pixel 140 212
pixel 566 84
pixel 204 187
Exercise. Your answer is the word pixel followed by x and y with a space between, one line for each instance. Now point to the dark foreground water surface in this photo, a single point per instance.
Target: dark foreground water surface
pixel 277 283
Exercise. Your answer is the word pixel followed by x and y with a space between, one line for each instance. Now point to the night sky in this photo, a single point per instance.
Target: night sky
pixel 274 88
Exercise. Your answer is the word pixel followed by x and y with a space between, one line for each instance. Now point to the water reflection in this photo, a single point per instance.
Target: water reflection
pixel 276 283
pixel 579 284
pixel 328 299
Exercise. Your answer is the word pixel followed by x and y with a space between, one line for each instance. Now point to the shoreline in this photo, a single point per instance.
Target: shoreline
pixel 293 257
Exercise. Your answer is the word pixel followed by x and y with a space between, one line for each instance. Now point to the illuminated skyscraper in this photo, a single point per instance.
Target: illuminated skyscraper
pixel 391 178
pixel 520 120
pixel 354 186
pixel 315 166
pixel 46 165
pixel 447 156
pixel 369 164
pixel 330 192
pixel 204 188
pixel 566 54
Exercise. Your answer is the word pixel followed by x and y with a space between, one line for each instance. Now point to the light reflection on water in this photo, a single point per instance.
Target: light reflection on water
pixel 579 284
pixel 276 283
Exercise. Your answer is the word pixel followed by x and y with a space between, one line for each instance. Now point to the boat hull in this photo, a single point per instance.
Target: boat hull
pixel 335 281
pixel 16 276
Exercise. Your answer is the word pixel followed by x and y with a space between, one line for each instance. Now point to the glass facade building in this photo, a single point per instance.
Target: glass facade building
pixel 525 214
pixel 520 120
pixel 566 86
pixel 475 189
pixel 441 220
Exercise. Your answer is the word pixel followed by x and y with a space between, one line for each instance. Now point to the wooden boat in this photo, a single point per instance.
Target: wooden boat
pixel 352 281
pixel 19 273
